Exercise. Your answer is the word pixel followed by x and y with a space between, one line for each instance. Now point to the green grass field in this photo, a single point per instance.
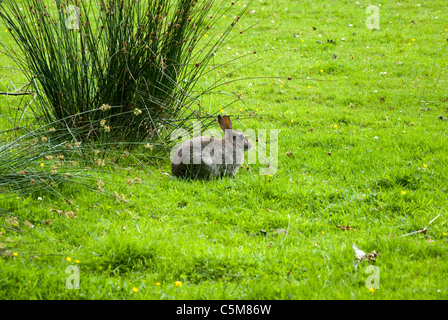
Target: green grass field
pixel 361 143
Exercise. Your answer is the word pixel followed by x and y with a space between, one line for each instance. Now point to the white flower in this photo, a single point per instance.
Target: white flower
pixel 375 137
pixel 40 198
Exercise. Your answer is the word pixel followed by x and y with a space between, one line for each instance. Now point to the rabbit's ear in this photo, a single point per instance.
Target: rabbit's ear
pixel 221 123
pixel 227 122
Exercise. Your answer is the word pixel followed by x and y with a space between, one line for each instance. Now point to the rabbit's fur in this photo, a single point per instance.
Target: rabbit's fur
pixel 209 157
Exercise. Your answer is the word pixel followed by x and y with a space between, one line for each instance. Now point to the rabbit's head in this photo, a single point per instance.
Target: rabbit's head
pixel 237 138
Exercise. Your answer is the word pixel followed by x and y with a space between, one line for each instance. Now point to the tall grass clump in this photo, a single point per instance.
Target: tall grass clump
pixel 44 160
pixel 131 66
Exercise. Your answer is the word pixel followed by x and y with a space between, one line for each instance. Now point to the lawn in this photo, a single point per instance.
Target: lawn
pixel 362 158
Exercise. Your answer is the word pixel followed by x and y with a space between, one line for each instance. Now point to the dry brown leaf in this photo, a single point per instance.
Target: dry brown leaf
pixel 281 231
pixel 12 221
pixel 347 227
pixel 70 214
pixel 372 256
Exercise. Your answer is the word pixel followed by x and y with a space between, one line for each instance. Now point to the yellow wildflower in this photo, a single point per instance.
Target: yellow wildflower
pixel 100 183
pixel 105 107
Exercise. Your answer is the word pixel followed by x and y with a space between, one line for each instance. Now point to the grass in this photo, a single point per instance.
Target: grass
pixel 140 58
pixel 374 160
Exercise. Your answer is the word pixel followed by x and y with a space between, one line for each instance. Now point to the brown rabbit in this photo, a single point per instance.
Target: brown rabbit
pixel 209 157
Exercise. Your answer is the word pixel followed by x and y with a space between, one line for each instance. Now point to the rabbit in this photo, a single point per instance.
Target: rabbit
pixel 208 157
